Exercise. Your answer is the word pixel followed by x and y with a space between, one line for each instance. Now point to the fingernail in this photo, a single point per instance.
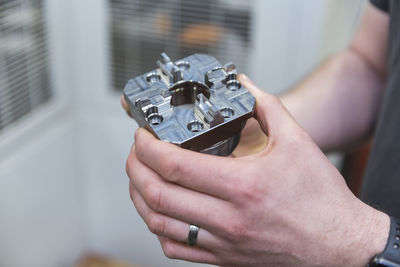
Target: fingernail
pixel 243 76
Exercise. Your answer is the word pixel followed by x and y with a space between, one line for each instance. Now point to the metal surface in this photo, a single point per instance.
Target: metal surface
pixel 193 233
pixel 195 103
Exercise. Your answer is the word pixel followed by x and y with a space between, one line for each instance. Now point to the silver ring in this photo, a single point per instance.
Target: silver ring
pixel 193 233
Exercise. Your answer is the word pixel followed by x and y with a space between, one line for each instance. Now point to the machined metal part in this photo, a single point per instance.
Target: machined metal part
pixel 195 103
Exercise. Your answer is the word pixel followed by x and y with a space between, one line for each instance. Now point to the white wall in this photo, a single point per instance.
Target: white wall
pixel 294 36
pixel 40 199
pixel 63 187
pixel 41 221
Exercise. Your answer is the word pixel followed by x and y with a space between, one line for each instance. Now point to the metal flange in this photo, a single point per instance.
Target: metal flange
pixel 195 103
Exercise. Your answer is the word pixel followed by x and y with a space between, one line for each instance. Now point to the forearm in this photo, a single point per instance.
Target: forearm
pixel 339 102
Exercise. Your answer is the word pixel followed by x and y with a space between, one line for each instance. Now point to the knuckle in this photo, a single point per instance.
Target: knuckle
pixel 131 191
pixel 236 231
pixel 130 163
pixel 247 190
pixel 172 169
pixel 169 249
pixel 156 224
pixel 153 195
pixel 127 166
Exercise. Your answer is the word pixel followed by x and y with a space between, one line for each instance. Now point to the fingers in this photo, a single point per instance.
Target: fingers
pixel 165 226
pixel 203 173
pixel 125 105
pixel 176 250
pixel 187 168
pixel 176 201
pixel 270 112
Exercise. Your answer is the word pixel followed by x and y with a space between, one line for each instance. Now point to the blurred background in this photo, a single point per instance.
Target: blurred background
pixel 63 135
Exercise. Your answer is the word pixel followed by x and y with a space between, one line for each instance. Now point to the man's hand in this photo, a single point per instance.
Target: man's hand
pixel 286 205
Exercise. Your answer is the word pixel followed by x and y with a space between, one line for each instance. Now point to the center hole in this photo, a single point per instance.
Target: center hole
pixel 185 92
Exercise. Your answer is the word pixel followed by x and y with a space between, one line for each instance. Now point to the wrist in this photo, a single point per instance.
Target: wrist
pixel 373 236
pixel 390 256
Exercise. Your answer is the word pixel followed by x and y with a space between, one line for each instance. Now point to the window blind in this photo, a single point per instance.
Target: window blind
pixel 142 29
pixel 24 76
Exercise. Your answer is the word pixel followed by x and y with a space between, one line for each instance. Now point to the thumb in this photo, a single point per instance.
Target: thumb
pixel 271 114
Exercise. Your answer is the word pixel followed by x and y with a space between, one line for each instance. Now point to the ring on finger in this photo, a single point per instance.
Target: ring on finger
pixel 193 233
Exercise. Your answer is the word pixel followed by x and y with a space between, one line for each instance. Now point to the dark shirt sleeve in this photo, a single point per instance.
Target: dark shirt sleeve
pixel 381 4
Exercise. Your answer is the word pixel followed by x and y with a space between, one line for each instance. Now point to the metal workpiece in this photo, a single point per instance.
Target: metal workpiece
pixel 195 103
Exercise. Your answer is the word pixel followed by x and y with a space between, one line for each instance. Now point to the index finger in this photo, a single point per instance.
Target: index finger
pixel 204 173
pixel 125 105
